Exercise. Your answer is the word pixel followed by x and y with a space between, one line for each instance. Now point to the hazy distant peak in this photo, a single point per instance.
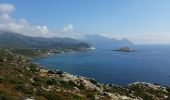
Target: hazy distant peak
pixel 103 42
pixel 16 40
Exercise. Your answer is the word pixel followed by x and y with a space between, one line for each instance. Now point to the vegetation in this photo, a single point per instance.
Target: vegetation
pixel 20 79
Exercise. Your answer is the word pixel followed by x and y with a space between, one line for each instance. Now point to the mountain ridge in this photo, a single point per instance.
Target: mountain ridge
pixel 16 40
pixel 102 42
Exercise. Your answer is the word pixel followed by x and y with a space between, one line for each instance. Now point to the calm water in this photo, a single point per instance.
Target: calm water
pixel 148 63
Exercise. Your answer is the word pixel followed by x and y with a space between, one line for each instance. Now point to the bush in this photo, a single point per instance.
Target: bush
pixel 4 97
pixel 59 72
pixel 77 97
pixel 50 95
pixel 93 81
pixel 1 59
pixel 51 72
pixel 2 79
pixel 90 96
pixel 71 83
pixel 38 81
pixel 10 58
pixel 25 88
pixel 81 86
pixel 34 67
pixel 51 82
pixel 168 89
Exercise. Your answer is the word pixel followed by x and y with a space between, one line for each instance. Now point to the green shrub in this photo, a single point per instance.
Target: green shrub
pixel 90 96
pixel 38 81
pixel 1 59
pixel 34 67
pixel 51 82
pixel 81 86
pixel 50 95
pixel 16 81
pixel 4 97
pixel 25 88
pixel 10 58
pixel 2 79
pixel 59 73
pixel 71 83
pixel 93 81
pixel 168 89
pixel 77 97
pixel 51 72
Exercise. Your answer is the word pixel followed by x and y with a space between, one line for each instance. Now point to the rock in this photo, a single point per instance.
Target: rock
pixel 124 49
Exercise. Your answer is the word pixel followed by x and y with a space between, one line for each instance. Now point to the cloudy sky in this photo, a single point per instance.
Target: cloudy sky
pixel 141 21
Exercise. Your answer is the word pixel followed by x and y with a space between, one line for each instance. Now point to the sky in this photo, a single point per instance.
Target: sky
pixel 141 21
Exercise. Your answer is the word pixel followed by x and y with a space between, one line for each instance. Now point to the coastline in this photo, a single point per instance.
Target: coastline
pixel 33 81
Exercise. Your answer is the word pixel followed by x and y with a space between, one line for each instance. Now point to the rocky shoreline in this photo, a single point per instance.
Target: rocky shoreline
pixel 20 79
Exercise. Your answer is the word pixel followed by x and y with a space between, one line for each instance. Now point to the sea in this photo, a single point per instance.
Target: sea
pixel 148 63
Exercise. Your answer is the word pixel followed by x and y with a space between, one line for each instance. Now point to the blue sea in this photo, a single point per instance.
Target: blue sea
pixel 149 63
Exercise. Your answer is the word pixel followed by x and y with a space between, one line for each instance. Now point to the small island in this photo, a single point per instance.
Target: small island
pixel 124 49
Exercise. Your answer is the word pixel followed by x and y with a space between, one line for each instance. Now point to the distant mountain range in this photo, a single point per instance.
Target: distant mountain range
pixel 101 42
pixel 15 40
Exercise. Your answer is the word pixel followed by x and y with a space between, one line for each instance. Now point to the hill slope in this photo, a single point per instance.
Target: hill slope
pixel 101 42
pixel 22 80
pixel 15 40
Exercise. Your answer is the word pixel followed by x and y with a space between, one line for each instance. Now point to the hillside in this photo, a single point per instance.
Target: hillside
pixel 101 42
pixel 15 40
pixel 20 79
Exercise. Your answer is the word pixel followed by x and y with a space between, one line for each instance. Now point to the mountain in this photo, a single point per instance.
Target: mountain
pixel 16 40
pixel 101 42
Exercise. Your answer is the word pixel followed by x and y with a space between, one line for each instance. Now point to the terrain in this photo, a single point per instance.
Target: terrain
pixel 105 43
pixel 17 40
pixel 20 79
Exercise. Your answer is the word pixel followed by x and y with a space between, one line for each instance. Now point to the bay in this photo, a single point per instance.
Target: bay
pixel 149 63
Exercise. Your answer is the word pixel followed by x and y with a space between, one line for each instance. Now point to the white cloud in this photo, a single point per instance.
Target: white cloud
pixel 68 28
pixel 6 8
pixel 26 28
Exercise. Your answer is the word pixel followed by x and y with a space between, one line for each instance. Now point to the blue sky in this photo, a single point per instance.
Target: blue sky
pixel 142 21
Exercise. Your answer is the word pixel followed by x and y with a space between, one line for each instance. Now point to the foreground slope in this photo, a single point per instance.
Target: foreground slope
pixel 22 80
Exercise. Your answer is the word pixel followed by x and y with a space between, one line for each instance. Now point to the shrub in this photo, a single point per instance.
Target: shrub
pixel 2 79
pixel 16 81
pixel 38 81
pixel 71 83
pixel 4 97
pixel 1 59
pixel 50 95
pixel 93 81
pixel 25 88
pixel 81 86
pixel 90 96
pixel 10 57
pixel 34 67
pixel 77 97
pixel 59 72
pixel 51 72
pixel 168 89
pixel 51 82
